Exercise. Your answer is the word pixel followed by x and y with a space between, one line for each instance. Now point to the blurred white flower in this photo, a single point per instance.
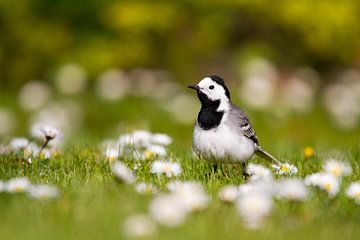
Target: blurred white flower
pixel 324 181
pixel 122 172
pixel 184 186
pixel 292 189
pixel 112 154
pixel 146 188
pixel 161 139
pixel 2 186
pixel 43 192
pixel 267 186
pixel 18 143
pixel 285 168
pixel 337 168
pixel 258 172
pixel 180 103
pixel 138 226
pixel 253 208
pixel 33 95
pixel 155 150
pixel 168 210
pixel 46 132
pixel 71 79
pixel 7 121
pixel 18 185
pixel 353 191
pixel 260 77
pixel 170 169
pixel 228 193
pixel 112 85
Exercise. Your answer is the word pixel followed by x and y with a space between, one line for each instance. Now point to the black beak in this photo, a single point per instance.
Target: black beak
pixel 194 86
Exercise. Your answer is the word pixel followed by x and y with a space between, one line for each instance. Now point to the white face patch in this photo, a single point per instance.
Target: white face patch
pixel 214 92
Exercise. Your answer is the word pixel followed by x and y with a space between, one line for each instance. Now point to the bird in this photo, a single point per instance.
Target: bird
pixel 222 131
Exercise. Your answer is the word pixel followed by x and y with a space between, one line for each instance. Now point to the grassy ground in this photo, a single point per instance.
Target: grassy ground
pixel 93 206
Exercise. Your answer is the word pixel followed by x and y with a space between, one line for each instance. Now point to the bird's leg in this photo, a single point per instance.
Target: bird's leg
pixel 246 176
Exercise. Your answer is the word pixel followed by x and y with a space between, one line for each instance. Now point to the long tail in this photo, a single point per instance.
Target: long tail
pixel 262 153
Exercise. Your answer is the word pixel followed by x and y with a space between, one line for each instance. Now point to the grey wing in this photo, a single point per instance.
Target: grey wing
pixel 241 118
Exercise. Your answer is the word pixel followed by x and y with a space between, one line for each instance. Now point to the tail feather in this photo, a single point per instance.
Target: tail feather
pixel 262 153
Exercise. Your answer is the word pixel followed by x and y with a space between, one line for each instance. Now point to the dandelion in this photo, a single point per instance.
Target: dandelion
pixel 337 168
pixel 254 208
pixel 353 191
pixel 228 193
pixel 168 210
pixel 170 169
pixel 122 172
pixel 285 168
pixel 309 152
pixel 18 185
pixel 43 192
pixel 145 188
pixel 292 189
pixel 258 172
pixel 138 226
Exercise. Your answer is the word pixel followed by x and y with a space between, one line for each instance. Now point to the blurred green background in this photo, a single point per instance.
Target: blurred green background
pixel 98 68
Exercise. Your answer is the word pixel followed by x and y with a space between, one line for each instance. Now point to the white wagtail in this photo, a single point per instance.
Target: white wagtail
pixel 223 131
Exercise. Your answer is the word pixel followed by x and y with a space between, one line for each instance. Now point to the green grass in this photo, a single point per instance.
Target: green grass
pixel 92 205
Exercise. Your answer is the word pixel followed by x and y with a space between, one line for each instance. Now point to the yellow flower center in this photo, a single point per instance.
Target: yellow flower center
pixel 112 158
pixel 149 154
pixel 357 194
pixel 336 171
pixel 284 168
pixel 167 168
pixel 18 189
pixel 309 152
pixel 328 186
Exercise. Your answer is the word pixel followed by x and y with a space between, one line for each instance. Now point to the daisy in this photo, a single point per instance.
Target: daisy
pixel 285 168
pixel 43 192
pixel 186 186
pixel 168 210
pixel 253 208
pixel 353 191
pixel 259 187
pixel 46 132
pixel 141 138
pixel 138 226
pixel 324 181
pixel 161 139
pixel 292 189
pixel 122 172
pixel 17 144
pixel 170 169
pixel 258 172
pixel 228 193
pixel 18 185
pixel 145 188
pixel 337 168
pixel 112 154
pixel 155 150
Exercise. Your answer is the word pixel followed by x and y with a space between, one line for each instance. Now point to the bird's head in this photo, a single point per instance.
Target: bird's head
pixel 212 89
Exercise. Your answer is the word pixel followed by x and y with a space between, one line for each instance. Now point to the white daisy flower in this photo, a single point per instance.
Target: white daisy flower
pixel 259 187
pixel 122 172
pixel 43 192
pixel 146 188
pixel 161 139
pixel 337 168
pixel 253 208
pixel 18 185
pixel 258 172
pixel 292 189
pixel 155 150
pixel 141 138
pixel 168 210
pixel 228 193
pixel 46 132
pixel 112 154
pixel 324 181
pixel 138 226
pixel 170 169
pixel 285 168
pixel 313 179
pixel 353 191
pixel 17 144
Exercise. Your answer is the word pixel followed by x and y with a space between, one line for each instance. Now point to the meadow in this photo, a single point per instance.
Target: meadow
pixel 91 204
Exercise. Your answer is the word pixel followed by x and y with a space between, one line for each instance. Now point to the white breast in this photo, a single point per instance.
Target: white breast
pixel 222 143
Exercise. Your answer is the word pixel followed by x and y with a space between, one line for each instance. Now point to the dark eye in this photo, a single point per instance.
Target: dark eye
pixel 211 87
